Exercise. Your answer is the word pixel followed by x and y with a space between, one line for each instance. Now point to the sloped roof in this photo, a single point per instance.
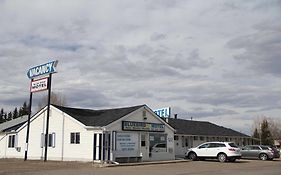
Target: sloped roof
pixel 13 124
pixel 192 127
pixel 103 117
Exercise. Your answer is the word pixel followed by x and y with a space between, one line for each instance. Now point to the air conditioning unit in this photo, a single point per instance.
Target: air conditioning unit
pixel 18 149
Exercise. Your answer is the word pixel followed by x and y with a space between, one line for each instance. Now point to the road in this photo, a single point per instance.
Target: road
pixel 241 167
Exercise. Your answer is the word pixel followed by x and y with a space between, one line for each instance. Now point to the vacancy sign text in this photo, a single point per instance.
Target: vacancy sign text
pixel 42 69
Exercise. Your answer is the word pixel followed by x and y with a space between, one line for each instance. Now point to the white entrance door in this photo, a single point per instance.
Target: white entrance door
pixel 144 146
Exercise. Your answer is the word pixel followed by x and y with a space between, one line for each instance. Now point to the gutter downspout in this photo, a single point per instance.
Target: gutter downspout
pixel 62 144
pixel 6 145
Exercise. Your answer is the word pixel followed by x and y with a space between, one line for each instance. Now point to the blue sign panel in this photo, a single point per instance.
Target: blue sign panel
pixel 163 112
pixel 42 69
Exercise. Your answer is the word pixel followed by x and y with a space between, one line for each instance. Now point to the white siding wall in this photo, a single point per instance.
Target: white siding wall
pixel 11 152
pixel 60 124
pixel 2 145
pixel 182 145
pixel 37 126
pixel 82 151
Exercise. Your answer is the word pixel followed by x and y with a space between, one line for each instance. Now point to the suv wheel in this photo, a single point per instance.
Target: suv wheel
pixel 222 157
pixel 263 156
pixel 192 156
pixel 232 159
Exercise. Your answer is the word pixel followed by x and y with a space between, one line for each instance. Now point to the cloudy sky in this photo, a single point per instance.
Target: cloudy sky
pixel 217 61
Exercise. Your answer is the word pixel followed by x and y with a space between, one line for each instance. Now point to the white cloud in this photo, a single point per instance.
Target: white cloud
pixel 208 58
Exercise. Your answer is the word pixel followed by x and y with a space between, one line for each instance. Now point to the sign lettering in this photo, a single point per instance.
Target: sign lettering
pixel 42 69
pixel 142 126
pixel 39 85
pixel 163 112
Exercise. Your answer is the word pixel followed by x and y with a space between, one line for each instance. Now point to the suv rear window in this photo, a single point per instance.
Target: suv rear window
pixel 220 145
pixel 264 147
pixel 233 145
pixel 216 145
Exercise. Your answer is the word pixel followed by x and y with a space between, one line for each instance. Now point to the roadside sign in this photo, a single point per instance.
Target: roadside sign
pixel 39 85
pixel 163 112
pixel 42 69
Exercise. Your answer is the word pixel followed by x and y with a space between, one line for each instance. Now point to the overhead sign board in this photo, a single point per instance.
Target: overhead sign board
pixel 39 85
pixel 163 112
pixel 142 126
pixel 42 69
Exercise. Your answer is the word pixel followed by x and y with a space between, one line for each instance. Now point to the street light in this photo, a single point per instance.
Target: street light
pixel 260 133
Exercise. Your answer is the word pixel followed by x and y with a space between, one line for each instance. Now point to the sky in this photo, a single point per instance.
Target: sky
pixel 215 60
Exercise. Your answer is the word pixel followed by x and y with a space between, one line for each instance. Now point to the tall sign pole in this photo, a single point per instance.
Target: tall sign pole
pixel 48 117
pixel 28 125
pixel 43 74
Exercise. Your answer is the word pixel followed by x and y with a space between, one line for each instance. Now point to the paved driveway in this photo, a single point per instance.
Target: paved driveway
pixel 241 167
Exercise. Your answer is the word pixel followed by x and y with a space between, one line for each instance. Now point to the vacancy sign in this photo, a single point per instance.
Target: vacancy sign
pixel 39 85
pixel 42 69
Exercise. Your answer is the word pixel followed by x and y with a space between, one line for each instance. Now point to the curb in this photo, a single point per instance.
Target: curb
pixel 144 163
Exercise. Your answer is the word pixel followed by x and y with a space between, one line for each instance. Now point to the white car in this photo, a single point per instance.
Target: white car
pixel 223 151
pixel 159 147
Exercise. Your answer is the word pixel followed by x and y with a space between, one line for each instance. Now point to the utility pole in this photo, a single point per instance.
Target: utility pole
pixel 28 126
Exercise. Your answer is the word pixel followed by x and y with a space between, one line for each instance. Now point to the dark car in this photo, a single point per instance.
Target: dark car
pixel 257 151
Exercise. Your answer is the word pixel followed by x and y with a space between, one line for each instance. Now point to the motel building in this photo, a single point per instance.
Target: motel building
pixel 130 134
pixel 191 133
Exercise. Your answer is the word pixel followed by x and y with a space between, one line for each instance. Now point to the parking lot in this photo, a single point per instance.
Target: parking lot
pixel 241 167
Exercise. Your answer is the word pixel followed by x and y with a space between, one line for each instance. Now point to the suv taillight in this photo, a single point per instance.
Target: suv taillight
pixel 231 149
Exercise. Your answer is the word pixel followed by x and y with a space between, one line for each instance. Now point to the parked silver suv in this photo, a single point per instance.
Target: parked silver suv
pixel 257 151
pixel 223 151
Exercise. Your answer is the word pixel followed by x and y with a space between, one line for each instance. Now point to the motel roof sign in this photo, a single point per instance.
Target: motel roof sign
pixel 42 69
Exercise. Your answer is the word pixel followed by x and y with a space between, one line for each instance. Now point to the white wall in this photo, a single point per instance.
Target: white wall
pixel 2 145
pixel 82 151
pixel 62 125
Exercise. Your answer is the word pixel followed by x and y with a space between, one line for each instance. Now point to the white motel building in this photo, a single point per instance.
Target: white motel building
pixel 130 134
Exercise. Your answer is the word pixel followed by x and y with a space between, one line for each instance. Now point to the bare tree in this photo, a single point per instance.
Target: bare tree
pixel 272 124
pixel 275 128
pixel 56 99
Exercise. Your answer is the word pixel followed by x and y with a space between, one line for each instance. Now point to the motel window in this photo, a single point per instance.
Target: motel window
pixel 144 115
pixel 75 138
pixel 201 138
pixel 12 141
pixel 51 140
pixel 226 139
pixel 143 140
pixel 157 142
pixel 195 138
pixel 186 142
